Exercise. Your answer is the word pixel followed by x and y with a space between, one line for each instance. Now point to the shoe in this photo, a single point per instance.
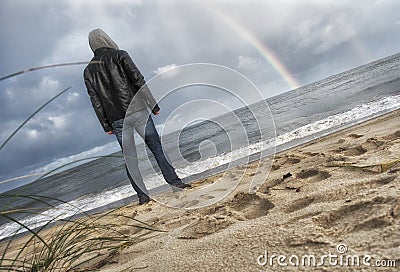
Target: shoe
pixel 143 199
pixel 179 186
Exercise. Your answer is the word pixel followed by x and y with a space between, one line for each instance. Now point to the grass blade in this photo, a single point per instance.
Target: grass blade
pixel 42 67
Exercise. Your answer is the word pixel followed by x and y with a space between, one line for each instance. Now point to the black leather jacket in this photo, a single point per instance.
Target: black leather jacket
pixel 112 80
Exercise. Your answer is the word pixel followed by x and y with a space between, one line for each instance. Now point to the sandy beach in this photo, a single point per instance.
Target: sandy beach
pixel 337 195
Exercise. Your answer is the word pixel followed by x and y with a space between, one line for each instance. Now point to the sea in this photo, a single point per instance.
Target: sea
pixel 299 116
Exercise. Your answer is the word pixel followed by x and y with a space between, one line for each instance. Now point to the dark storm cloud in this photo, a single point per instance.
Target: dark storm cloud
pixel 29 29
pixel 313 39
pixel 307 34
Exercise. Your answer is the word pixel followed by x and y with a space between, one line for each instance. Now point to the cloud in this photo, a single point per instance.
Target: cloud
pixel 58 121
pixel 32 133
pixel 248 63
pixel 70 47
pixel 96 151
pixel 169 70
pixel 323 34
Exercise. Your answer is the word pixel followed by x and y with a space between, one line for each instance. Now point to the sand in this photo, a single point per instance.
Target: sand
pixel 336 195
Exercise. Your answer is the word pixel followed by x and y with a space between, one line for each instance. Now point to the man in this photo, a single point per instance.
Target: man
pixel 113 81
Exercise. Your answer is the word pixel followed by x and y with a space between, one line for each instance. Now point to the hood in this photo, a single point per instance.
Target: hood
pixel 98 38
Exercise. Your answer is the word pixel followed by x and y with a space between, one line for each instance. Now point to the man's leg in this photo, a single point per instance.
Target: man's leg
pixel 130 156
pixel 145 127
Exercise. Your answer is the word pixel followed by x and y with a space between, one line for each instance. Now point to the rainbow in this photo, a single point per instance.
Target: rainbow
pixel 263 49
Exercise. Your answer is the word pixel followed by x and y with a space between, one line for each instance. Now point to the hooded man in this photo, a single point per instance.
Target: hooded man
pixel 113 81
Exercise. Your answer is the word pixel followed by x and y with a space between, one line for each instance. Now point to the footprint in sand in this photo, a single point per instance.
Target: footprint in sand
pixel 350 151
pixel 363 215
pixel 219 190
pixel 344 216
pixel 374 223
pixel 187 204
pixel 393 136
pixel 242 207
pixel 381 181
pixel 368 145
pixel 289 159
pixel 275 167
pixel 345 191
pixel 205 226
pixel 293 160
pixel 313 175
pixel 191 203
pixel 312 154
pixel 250 205
pixel 265 188
pixel 355 136
pixel 207 196
pixel 354 151
pixel 306 177
pixel 299 204
pixel 372 143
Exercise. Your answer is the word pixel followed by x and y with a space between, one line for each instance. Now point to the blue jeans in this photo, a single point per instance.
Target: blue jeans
pixel 142 122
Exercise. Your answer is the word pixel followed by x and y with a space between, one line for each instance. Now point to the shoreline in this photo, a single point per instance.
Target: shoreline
pixel 282 146
pixel 330 197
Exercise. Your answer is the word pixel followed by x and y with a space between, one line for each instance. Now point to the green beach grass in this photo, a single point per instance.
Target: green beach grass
pixel 88 240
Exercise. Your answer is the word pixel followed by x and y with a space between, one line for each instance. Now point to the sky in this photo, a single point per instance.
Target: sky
pixel 278 45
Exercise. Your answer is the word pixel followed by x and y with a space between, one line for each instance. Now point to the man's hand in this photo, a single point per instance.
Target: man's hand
pixel 156 110
pixel 110 132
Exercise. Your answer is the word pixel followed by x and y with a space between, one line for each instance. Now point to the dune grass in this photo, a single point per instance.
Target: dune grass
pixel 71 244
